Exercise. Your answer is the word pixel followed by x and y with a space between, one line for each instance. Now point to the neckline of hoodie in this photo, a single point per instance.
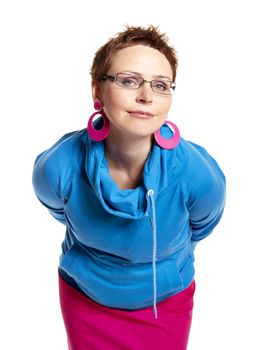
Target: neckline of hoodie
pixel 79 165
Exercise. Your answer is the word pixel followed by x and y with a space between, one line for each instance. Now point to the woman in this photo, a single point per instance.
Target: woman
pixel 135 199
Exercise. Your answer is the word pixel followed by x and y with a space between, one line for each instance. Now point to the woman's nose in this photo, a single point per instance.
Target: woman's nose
pixel 145 93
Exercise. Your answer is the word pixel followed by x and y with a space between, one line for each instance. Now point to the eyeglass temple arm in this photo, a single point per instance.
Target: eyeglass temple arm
pixel 109 77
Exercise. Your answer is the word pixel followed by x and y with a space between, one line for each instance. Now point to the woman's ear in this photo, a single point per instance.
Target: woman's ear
pixel 96 92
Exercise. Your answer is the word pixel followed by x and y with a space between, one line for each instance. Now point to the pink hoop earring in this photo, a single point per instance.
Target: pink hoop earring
pixel 101 134
pixel 170 143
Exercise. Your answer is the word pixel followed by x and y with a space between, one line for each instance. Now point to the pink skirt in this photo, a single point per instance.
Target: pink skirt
pixel 91 326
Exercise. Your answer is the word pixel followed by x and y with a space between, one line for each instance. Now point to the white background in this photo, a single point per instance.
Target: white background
pixel 46 51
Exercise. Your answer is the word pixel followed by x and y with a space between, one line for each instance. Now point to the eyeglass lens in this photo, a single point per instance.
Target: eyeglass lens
pixel 130 81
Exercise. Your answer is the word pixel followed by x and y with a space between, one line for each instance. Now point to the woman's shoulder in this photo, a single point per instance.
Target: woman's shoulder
pixel 200 163
pixel 62 149
pixel 68 141
pixel 196 153
pixel 191 148
pixel 55 167
pixel 60 158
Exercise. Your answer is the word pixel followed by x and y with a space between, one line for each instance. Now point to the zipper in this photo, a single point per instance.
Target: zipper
pixel 150 194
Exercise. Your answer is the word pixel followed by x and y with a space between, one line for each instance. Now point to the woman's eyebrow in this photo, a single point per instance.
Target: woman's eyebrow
pixel 161 76
pixel 140 74
pixel 131 72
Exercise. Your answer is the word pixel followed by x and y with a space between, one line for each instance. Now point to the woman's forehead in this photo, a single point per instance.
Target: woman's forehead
pixel 141 59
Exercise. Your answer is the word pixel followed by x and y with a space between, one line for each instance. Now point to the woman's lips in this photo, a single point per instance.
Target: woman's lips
pixel 141 114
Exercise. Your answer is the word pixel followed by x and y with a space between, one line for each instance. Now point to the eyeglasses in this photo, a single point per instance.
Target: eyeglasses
pixel 131 81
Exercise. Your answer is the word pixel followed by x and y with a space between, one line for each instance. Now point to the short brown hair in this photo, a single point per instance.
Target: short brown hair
pixel 131 36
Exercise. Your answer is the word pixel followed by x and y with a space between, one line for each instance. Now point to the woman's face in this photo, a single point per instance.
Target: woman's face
pixel 137 112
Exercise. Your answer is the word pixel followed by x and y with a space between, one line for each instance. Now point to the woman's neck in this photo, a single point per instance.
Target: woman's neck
pixel 127 154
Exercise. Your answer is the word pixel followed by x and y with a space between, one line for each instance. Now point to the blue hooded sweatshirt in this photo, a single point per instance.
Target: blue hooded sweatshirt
pixel 130 249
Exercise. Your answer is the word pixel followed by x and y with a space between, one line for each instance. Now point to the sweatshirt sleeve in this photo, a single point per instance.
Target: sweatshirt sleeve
pixel 207 194
pixel 51 178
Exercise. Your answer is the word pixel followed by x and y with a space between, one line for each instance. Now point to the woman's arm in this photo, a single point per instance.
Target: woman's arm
pixel 51 177
pixel 207 194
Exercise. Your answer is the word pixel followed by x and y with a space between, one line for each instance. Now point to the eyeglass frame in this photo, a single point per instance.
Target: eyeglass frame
pixel 113 79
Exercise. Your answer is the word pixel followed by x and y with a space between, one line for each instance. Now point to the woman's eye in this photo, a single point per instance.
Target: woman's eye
pixel 129 81
pixel 161 85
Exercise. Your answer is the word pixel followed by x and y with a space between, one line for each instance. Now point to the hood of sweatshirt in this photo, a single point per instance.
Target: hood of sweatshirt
pixel 130 203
